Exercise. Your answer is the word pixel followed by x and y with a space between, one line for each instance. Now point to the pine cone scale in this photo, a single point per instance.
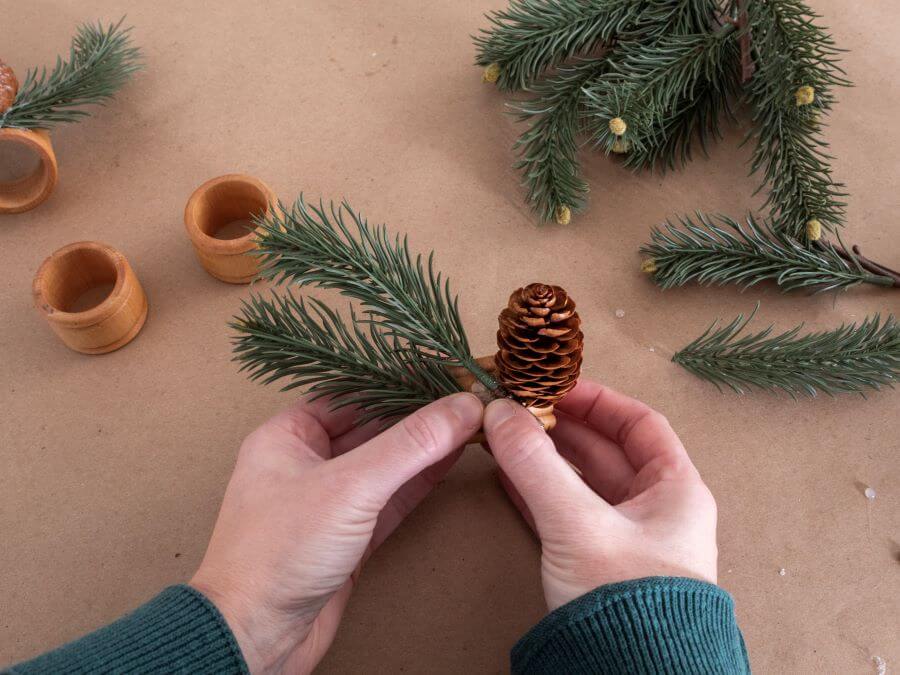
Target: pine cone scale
pixel 9 87
pixel 541 345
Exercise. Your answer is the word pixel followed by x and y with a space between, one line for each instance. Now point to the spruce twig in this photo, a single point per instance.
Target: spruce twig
pixel 311 345
pixel 336 248
pixel 721 251
pixel 532 35
pixel 101 60
pixel 549 149
pixel 850 358
pixel 796 69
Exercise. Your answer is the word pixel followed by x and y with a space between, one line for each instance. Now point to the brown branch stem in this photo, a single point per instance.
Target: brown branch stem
pixel 858 258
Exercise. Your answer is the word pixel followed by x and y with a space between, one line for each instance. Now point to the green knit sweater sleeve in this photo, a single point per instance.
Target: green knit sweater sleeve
pixel 652 625
pixel 179 631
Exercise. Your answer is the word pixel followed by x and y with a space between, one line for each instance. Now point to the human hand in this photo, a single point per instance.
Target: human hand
pixel 310 498
pixel 638 509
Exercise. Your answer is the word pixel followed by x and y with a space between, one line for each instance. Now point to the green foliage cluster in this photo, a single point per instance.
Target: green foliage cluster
pixel 652 80
pixel 718 251
pixel 391 359
pixel 101 59
pixel 671 70
pixel 851 358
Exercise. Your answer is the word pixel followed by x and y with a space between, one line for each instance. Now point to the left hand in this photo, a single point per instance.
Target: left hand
pixel 310 498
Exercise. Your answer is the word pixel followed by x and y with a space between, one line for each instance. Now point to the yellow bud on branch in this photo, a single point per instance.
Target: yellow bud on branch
pixel 813 229
pixel 805 95
pixel 491 74
pixel 617 126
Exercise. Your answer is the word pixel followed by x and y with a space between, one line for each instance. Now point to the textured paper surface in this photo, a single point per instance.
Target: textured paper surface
pixel 112 467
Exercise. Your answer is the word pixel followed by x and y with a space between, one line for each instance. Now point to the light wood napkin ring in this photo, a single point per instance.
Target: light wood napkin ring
pixel 467 382
pixel 71 271
pixel 216 203
pixel 26 193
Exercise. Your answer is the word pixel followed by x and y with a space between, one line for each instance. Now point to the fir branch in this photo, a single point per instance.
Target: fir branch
pixel 312 346
pixel 729 253
pixel 100 61
pixel 850 358
pixel 680 85
pixel 791 52
pixel 308 245
pixel 532 35
pixel 548 149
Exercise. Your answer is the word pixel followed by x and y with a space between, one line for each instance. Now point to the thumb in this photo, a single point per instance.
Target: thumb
pixel 528 457
pixel 413 444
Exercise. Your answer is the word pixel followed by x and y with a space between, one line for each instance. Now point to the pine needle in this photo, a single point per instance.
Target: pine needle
pixel 100 61
pixel 724 252
pixel 359 365
pixel 851 358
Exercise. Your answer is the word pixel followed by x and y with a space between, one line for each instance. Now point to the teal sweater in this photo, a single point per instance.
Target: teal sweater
pixel 653 625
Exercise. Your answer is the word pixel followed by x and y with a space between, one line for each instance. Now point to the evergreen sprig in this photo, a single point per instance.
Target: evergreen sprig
pixel 532 35
pixel 850 358
pixel 549 148
pixel 360 364
pixel 793 52
pixel 722 251
pixel 336 248
pixel 101 60
pixel 679 90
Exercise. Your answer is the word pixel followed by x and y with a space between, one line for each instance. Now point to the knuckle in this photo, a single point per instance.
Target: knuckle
pixel 518 445
pixel 657 419
pixel 421 430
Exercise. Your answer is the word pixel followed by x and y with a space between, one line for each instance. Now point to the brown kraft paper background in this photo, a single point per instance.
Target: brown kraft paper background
pixel 112 467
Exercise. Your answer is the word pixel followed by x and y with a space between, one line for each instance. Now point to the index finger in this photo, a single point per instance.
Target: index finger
pixel 642 432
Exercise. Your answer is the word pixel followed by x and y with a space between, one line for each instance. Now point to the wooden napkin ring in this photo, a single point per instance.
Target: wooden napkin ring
pixel 467 382
pixel 26 193
pixel 217 203
pixel 68 274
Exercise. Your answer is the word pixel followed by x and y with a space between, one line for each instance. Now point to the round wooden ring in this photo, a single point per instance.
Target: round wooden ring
pixel 26 193
pixel 217 203
pixel 79 267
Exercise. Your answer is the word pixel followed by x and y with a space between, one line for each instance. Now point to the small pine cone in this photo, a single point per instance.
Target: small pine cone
pixel 9 87
pixel 540 345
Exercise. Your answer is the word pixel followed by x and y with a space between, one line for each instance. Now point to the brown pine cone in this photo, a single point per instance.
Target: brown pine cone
pixel 9 87
pixel 540 345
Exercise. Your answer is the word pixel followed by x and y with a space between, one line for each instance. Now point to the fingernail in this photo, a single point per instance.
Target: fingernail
pixel 467 407
pixel 499 411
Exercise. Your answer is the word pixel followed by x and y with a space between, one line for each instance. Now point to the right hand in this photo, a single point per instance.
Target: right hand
pixel 638 508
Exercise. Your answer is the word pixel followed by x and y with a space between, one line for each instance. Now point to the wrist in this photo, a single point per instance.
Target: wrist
pixel 264 642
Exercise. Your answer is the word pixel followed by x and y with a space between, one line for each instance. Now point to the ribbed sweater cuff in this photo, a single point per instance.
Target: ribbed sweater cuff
pixel 179 631
pixel 652 625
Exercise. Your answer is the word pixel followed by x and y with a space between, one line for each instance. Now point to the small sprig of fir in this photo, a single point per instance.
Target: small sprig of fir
pixel 532 35
pixel 336 248
pixel 101 60
pixel 359 365
pixel 683 85
pixel 791 51
pixel 850 358
pixel 719 251
pixel 548 150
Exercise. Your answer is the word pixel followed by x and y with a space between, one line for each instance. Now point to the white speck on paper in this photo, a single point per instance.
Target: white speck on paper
pixel 620 313
pixel 374 53
pixel 782 572
pixel 880 665
pixel 652 349
pixel 870 493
